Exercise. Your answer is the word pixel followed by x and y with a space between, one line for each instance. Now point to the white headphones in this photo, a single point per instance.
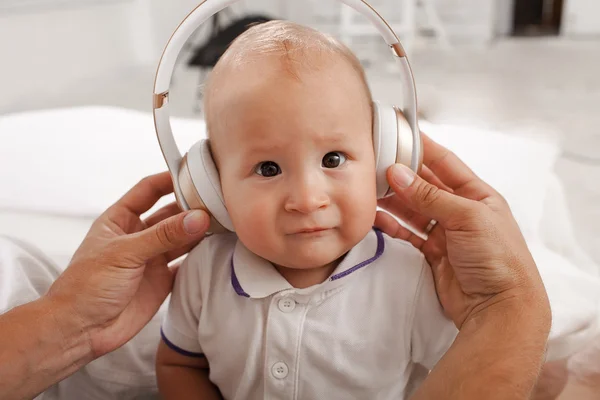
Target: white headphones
pixel 396 134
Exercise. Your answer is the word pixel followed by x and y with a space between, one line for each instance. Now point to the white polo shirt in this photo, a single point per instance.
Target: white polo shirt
pixel 358 335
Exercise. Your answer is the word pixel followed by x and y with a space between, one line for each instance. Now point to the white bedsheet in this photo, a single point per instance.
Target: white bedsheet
pixel 60 168
pixel 58 236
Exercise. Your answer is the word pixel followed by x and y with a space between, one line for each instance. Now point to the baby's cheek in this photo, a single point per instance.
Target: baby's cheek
pixel 360 203
pixel 241 199
pixel 363 186
pixel 257 228
pixel 241 212
pixel 252 217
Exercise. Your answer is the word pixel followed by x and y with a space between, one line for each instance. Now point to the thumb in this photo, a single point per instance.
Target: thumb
pixel 425 198
pixel 167 235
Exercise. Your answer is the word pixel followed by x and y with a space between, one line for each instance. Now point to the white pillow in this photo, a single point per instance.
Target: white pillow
pixel 519 167
pixel 79 161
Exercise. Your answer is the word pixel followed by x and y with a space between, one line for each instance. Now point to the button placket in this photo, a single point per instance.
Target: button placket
pixel 282 339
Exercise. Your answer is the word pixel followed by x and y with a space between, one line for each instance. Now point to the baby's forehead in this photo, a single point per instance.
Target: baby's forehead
pixel 268 79
pixel 267 55
pixel 280 46
pixel 276 65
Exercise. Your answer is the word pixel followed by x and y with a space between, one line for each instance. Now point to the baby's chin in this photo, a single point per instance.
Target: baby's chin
pixel 303 252
pixel 305 260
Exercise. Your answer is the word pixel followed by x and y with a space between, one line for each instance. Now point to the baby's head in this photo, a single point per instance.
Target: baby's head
pixel 289 118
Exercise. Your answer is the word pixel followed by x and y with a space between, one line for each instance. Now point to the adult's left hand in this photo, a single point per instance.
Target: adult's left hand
pixel 119 276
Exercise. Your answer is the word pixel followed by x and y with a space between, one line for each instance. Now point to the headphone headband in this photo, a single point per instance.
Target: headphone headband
pixel 205 10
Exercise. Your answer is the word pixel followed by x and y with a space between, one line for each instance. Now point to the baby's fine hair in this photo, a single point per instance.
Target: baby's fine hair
pixel 297 45
pixel 291 41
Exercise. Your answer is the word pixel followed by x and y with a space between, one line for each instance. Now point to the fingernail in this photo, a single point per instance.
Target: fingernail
pixel 402 176
pixel 194 222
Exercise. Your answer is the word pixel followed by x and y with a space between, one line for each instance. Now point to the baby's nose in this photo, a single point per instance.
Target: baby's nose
pixel 307 196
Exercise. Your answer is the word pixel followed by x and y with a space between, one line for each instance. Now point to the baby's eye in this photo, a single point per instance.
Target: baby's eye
pixel 268 169
pixel 333 159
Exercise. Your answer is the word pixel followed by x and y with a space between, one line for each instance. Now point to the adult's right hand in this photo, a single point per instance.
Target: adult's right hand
pixel 477 253
pixel 485 278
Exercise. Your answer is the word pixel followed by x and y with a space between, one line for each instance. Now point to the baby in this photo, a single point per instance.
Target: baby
pixel 305 300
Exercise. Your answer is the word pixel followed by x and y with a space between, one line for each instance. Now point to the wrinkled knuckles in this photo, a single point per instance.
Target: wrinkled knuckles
pixel 426 195
pixel 166 234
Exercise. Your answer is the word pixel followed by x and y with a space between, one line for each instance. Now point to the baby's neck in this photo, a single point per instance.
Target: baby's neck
pixel 303 278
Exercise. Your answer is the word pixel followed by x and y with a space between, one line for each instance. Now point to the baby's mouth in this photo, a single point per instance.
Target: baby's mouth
pixel 311 231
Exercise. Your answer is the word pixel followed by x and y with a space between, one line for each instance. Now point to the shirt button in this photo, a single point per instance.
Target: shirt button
pixel 280 370
pixel 286 305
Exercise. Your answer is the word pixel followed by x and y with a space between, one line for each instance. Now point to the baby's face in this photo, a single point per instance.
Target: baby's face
pixel 296 160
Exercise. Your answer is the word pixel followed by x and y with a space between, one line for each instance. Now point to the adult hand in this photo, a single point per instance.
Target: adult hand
pixel 476 251
pixel 485 278
pixel 119 276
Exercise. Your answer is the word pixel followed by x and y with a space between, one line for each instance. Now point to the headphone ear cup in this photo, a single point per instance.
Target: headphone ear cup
pixel 192 198
pixel 404 153
pixel 385 137
pixel 200 183
pixel 393 144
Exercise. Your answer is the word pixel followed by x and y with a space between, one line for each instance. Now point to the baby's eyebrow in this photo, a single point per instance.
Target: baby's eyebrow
pixel 334 138
pixel 262 148
pixel 337 137
pixel 328 138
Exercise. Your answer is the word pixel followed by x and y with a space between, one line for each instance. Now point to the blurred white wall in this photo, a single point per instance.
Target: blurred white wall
pixel 581 18
pixel 52 48
pixel 469 20
pixel 503 17
pixel 164 17
pixel 45 51
pixel 47 47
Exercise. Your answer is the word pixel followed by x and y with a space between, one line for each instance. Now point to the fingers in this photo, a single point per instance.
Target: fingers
pixel 399 209
pixel 446 165
pixel 166 236
pixel 175 254
pixel 427 199
pixel 146 193
pixel 388 224
pixel 432 178
pixel 175 268
pixel 433 247
pixel 162 214
pixel 479 191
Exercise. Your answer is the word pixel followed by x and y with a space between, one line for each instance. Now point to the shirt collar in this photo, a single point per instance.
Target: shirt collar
pixel 253 276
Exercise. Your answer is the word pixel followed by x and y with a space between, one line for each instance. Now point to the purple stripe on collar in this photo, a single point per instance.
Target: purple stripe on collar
pixel 236 283
pixel 378 253
pixel 178 349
